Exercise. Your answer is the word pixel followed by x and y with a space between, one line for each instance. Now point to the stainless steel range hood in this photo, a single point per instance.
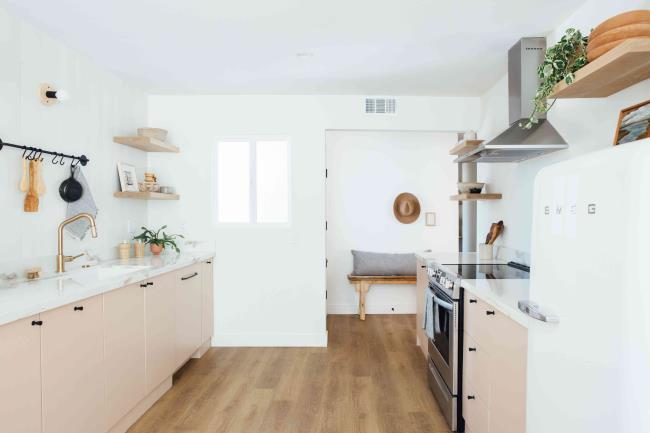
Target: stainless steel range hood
pixel 516 143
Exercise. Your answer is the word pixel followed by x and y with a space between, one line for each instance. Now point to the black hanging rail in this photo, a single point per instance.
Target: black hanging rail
pixel 36 153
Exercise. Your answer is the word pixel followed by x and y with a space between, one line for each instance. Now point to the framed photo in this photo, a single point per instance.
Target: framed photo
pixel 128 178
pixel 633 124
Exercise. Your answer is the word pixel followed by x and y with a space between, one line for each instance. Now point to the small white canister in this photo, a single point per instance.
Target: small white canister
pixel 485 251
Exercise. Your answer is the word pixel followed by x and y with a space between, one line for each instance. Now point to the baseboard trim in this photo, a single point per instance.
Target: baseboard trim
pixel 202 349
pixel 145 404
pixel 408 308
pixel 270 340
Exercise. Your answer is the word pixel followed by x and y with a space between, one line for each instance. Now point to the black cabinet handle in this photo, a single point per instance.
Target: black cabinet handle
pixel 37 323
pixel 490 313
pixel 78 308
pixel 423 267
pixel 143 285
pixel 473 301
pixel 471 397
pixel 149 283
pixel 190 276
pixel 472 349
pixel 209 262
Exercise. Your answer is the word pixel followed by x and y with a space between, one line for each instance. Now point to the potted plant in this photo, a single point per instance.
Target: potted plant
pixel 158 242
pixel 561 62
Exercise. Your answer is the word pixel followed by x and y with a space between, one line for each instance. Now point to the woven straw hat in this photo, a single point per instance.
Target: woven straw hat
pixel 406 208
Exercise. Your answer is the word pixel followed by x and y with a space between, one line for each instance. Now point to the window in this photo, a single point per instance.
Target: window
pixel 252 181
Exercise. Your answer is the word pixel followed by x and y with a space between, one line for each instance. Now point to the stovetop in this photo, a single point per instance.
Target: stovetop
pixel 510 271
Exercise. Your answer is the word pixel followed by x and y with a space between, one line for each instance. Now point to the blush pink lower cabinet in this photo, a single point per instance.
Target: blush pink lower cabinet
pixel 160 325
pixel 494 370
pixel 73 380
pixel 20 376
pixel 189 322
pixel 124 350
pixel 207 290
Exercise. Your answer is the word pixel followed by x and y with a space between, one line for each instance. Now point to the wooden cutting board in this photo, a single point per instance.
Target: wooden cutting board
pixel 613 38
pixel 621 20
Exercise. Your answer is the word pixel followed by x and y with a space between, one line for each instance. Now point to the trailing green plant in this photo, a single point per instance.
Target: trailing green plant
pixel 151 237
pixel 561 62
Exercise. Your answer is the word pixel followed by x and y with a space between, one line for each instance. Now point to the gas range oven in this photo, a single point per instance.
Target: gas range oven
pixel 444 326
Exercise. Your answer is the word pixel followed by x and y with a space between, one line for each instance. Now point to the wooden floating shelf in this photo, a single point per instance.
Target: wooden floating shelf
pixel 622 67
pixel 146 195
pixel 147 144
pixel 464 147
pixel 469 197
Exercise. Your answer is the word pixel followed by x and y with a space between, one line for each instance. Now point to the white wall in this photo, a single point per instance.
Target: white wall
pixel 366 171
pixel 586 125
pixel 102 105
pixel 270 283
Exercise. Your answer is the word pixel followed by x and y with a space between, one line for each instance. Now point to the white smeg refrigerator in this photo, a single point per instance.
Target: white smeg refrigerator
pixel 590 274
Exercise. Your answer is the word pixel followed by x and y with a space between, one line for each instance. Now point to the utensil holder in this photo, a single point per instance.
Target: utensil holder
pixel 485 251
pixel 124 251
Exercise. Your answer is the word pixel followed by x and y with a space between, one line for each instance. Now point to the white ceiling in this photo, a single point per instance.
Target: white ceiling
pixel 401 47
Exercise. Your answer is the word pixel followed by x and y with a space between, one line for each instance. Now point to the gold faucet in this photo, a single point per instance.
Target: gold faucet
pixel 60 258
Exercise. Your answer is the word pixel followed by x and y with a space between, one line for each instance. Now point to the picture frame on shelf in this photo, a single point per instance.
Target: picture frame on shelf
pixel 633 124
pixel 128 177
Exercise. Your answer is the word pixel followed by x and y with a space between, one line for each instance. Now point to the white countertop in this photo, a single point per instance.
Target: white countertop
pixel 25 299
pixel 504 295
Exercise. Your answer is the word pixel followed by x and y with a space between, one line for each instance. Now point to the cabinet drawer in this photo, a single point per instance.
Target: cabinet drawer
pixel 475 411
pixel 476 368
pixel 478 318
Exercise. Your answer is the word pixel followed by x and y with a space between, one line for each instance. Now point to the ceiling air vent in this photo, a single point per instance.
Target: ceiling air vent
pixel 380 105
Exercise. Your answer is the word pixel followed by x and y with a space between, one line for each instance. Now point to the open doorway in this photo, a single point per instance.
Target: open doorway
pixel 366 170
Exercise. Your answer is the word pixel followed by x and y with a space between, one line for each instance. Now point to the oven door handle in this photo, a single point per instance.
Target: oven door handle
pixel 443 304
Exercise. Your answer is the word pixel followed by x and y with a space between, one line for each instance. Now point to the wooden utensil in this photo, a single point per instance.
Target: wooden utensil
pixel 40 184
pixel 31 199
pixel 23 179
pixel 495 232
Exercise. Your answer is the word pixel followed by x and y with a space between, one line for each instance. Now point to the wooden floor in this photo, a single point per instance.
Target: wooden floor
pixel 371 378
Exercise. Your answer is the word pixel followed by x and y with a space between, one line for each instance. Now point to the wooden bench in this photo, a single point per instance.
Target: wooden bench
pixel 362 284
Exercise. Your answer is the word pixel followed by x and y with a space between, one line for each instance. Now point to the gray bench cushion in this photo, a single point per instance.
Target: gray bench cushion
pixel 368 263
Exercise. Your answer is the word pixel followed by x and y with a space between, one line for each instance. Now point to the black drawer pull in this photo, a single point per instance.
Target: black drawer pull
pixel 423 267
pixel 190 276
pixel 150 283
pixel 471 397
pixel 473 301
pixel 78 308
pixel 37 323
pixel 143 285
pixel 490 313
pixel 209 262
pixel 472 349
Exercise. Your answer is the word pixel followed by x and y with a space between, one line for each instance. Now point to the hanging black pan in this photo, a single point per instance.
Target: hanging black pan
pixel 71 190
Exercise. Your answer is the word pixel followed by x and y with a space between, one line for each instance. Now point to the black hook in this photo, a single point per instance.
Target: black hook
pixel 62 162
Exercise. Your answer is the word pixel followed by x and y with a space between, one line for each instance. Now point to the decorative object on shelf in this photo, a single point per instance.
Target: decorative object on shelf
pixel 149 187
pixel 633 124
pixel 124 250
pixel 616 30
pixel 406 208
pixel 128 177
pixel 31 199
pixel 85 205
pixel 37 153
pixel 157 133
pixel 150 177
pixel 138 249
pixel 158 242
pixel 561 62
pixel 470 187
pixel 430 219
pixel 495 231
pixel 167 190
pixel 50 96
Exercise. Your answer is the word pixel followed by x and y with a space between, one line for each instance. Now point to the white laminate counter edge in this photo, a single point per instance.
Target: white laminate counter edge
pixel 31 298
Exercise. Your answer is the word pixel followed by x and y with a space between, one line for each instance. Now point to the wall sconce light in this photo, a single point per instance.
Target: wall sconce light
pixel 50 96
